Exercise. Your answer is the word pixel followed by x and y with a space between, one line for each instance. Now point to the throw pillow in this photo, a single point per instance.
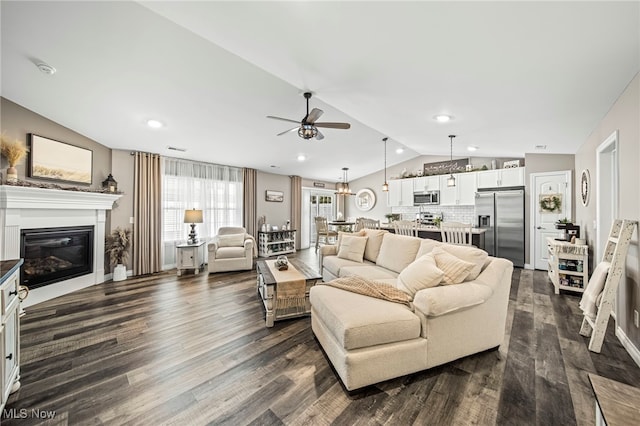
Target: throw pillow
pixel 468 254
pixel 352 248
pixel 231 240
pixel 360 233
pixel 455 270
pixel 373 244
pixel 422 273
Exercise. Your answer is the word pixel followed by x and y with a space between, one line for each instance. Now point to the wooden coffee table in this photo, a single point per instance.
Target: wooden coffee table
pixel 268 291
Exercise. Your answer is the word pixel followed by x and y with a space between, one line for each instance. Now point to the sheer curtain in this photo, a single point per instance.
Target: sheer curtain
pixel 212 188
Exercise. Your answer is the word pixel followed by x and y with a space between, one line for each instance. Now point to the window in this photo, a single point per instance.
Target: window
pixel 212 188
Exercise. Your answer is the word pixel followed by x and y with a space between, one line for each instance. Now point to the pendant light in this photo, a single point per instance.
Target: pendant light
pixel 343 188
pixel 385 185
pixel 451 181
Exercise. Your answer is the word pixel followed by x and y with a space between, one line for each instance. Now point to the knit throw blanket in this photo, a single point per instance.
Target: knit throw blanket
pixel 370 288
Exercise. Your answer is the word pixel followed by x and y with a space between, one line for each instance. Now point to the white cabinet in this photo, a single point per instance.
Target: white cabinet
pixel 274 243
pixel 501 178
pixel 9 330
pixel 426 183
pixel 190 256
pixel 463 194
pixel 400 193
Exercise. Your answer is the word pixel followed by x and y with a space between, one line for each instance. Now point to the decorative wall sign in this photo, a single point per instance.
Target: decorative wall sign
pixel 444 167
pixel 59 161
pixel 511 164
pixel 274 196
pixel 585 187
pixel 365 200
pixel 318 184
pixel 550 203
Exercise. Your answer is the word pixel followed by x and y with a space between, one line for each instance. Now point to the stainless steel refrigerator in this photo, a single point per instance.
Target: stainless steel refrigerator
pixel 501 212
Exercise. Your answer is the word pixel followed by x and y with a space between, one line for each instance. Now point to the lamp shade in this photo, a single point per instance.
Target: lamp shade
pixel 193 216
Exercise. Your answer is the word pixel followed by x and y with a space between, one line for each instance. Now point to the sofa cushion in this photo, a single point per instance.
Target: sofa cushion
pixel 426 245
pixel 422 273
pixel 352 248
pixel 440 300
pixel 230 252
pixel 397 251
pixel 371 272
pixel 372 250
pixel 358 321
pixel 468 254
pixel 334 264
pixel 455 269
pixel 231 240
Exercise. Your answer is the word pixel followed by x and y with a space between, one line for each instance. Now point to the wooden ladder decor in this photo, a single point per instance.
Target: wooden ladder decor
pixel 615 253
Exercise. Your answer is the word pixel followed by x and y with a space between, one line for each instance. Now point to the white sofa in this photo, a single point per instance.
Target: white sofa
pixel 370 340
pixel 231 250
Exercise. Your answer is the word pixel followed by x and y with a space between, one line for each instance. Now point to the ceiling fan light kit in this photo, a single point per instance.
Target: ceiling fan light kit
pixel 308 128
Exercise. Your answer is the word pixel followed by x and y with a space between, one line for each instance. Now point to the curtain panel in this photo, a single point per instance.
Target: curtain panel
pixel 296 206
pixel 147 209
pixel 215 189
pixel 250 217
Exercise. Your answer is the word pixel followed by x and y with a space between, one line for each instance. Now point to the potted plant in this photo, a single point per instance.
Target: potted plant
pixel 14 151
pixel 117 247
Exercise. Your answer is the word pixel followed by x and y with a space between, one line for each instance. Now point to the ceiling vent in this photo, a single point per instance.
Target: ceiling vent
pixel 173 148
pixel 541 147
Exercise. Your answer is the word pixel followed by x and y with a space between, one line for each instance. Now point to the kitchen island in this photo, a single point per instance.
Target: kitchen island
pixel 433 233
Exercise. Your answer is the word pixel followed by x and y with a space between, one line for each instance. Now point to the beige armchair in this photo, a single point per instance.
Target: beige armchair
pixel 231 250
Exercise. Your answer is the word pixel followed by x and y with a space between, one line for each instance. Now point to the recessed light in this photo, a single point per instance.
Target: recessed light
pixel 46 68
pixel 399 150
pixel 472 148
pixel 443 118
pixel 301 157
pixel 154 124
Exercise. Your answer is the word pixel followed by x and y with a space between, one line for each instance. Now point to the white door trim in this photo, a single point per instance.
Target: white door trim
pixel 609 144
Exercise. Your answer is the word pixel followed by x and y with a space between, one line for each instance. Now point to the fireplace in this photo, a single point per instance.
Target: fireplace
pixel 52 255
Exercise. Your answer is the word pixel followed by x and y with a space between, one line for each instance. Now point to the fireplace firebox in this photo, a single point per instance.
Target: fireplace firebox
pixel 52 255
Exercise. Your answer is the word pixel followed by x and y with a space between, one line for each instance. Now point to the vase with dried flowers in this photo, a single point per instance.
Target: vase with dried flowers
pixel 14 151
pixel 117 248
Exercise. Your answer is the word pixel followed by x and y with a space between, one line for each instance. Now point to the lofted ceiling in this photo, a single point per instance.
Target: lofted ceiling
pixel 513 75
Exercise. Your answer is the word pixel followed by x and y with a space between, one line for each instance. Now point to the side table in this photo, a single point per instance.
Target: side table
pixel 190 256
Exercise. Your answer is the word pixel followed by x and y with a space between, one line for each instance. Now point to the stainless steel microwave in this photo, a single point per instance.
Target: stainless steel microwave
pixel 427 197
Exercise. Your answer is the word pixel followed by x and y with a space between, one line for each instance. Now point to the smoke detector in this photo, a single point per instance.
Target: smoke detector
pixel 46 68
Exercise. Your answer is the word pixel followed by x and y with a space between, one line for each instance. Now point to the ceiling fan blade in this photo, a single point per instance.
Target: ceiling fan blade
pixel 287 131
pixel 314 115
pixel 283 119
pixel 319 136
pixel 333 125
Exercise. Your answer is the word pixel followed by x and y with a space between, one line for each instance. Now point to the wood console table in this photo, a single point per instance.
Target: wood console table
pixel 616 403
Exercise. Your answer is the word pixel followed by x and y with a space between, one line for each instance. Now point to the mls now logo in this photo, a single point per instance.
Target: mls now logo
pixel 23 413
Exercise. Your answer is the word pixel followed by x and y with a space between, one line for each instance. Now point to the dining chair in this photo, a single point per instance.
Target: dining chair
pixel 406 227
pixel 456 233
pixel 323 231
pixel 366 223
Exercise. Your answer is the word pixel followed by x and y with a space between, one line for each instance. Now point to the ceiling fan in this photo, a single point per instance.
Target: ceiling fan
pixel 308 127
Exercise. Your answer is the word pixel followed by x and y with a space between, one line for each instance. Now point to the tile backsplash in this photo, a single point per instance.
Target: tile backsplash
pixel 464 214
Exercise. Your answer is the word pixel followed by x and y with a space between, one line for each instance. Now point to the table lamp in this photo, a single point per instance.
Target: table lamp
pixel 192 216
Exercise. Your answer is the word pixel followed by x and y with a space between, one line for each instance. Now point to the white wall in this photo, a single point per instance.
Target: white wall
pixel 623 116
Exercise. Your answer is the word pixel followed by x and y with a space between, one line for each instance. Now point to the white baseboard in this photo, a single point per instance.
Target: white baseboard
pixel 628 345
pixel 528 266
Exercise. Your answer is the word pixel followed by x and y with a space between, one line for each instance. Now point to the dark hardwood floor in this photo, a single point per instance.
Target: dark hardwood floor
pixel 194 350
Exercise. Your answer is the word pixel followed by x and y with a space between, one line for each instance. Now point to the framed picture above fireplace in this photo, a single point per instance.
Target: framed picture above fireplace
pixel 59 161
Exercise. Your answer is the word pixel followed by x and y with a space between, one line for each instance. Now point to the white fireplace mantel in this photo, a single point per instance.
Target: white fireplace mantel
pixel 32 208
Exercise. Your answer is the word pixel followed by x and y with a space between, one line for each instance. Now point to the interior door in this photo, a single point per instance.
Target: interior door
pixel 546 186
